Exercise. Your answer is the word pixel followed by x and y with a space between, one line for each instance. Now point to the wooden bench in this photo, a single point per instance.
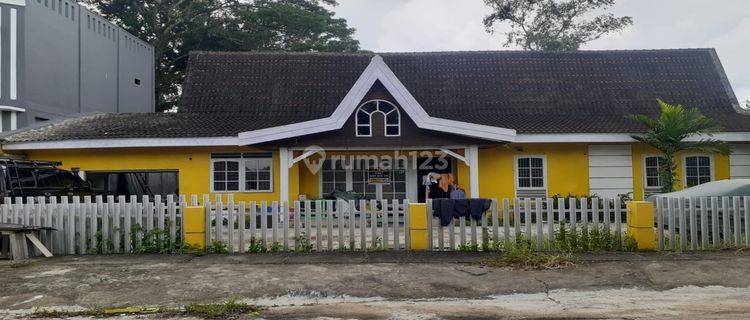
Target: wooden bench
pixel 13 240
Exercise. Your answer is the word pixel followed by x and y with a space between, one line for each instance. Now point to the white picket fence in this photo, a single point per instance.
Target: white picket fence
pixel 321 225
pixel 702 223
pixel 122 224
pixel 85 225
pixel 536 220
pixel 384 224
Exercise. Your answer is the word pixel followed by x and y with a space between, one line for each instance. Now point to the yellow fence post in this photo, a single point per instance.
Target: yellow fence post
pixel 640 216
pixel 195 227
pixel 418 226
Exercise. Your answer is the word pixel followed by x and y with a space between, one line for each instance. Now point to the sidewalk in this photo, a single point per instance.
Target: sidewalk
pixel 379 282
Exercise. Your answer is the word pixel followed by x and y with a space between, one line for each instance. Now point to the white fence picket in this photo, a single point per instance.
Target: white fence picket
pixel 736 214
pixel 725 220
pixel 329 224
pixel 396 225
pixel 539 225
pixel 683 223
pixel 230 223
pixel 374 224
pixel 506 222
pixel 242 229
pixel 318 226
pixel 693 224
pixel 274 224
pixel 352 222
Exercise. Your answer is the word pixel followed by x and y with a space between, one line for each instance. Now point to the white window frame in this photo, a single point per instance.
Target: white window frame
pixel 239 168
pixel 357 125
pixel 544 171
pixel 378 190
pixel 242 173
pixel 348 179
pixel 710 167
pixel 645 177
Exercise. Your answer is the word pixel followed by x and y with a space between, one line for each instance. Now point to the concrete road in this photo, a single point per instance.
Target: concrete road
pixel 391 285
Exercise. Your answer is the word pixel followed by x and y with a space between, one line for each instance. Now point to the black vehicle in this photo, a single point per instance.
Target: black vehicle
pixel 24 178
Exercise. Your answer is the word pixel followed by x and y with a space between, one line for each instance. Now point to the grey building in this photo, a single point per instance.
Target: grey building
pixel 58 59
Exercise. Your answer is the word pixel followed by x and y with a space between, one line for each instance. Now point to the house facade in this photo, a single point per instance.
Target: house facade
pixel 58 60
pixel 288 126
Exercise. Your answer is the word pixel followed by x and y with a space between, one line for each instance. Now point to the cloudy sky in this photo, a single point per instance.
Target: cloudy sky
pixel 438 25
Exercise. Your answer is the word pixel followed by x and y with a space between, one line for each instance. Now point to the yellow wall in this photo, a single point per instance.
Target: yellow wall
pixel 567 169
pixel 720 168
pixel 308 181
pixel 193 165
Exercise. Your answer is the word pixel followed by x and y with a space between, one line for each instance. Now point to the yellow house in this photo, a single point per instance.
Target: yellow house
pixel 289 126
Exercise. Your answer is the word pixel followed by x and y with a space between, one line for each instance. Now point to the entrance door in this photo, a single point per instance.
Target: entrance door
pixel 428 165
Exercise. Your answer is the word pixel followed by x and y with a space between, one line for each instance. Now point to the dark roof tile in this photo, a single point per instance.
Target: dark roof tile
pixel 226 93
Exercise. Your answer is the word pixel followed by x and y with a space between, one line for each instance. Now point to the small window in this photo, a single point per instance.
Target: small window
pixel 390 113
pixel 242 172
pixel 137 81
pixel 652 166
pixel 40 119
pixel 530 172
pixel 258 174
pixel 226 175
pixel 697 170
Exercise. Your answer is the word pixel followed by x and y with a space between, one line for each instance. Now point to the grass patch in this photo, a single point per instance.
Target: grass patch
pixel 227 310
pixel 530 260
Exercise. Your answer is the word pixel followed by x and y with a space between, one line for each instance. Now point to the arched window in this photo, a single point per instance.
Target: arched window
pixel 389 112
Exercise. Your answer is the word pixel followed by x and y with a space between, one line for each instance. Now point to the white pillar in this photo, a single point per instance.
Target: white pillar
pixel 284 156
pixel 472 155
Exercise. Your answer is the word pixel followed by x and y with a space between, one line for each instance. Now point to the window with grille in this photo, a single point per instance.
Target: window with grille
pixel 242 172
pixel 344 175
pixel 364 125
pixel 359 179
pixel 697 170
pixel 530 172
pixel 652 166
pixel 333 176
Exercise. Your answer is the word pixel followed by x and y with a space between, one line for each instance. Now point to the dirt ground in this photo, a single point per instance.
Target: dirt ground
pixel 390 285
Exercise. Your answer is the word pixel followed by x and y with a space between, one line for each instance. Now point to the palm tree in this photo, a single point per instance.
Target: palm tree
pixel 668 133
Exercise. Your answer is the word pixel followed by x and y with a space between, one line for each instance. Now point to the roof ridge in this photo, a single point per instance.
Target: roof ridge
pixel 372 53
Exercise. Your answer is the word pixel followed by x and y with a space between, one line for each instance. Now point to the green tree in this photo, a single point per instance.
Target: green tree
pixel 553 25
pixel 668 134
pixel 176 27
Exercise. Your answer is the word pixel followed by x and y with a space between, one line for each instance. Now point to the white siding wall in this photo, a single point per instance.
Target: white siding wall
pixel 739 162
pixel 610 170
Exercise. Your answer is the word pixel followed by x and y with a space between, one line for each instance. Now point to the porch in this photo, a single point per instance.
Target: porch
pixel 374 173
